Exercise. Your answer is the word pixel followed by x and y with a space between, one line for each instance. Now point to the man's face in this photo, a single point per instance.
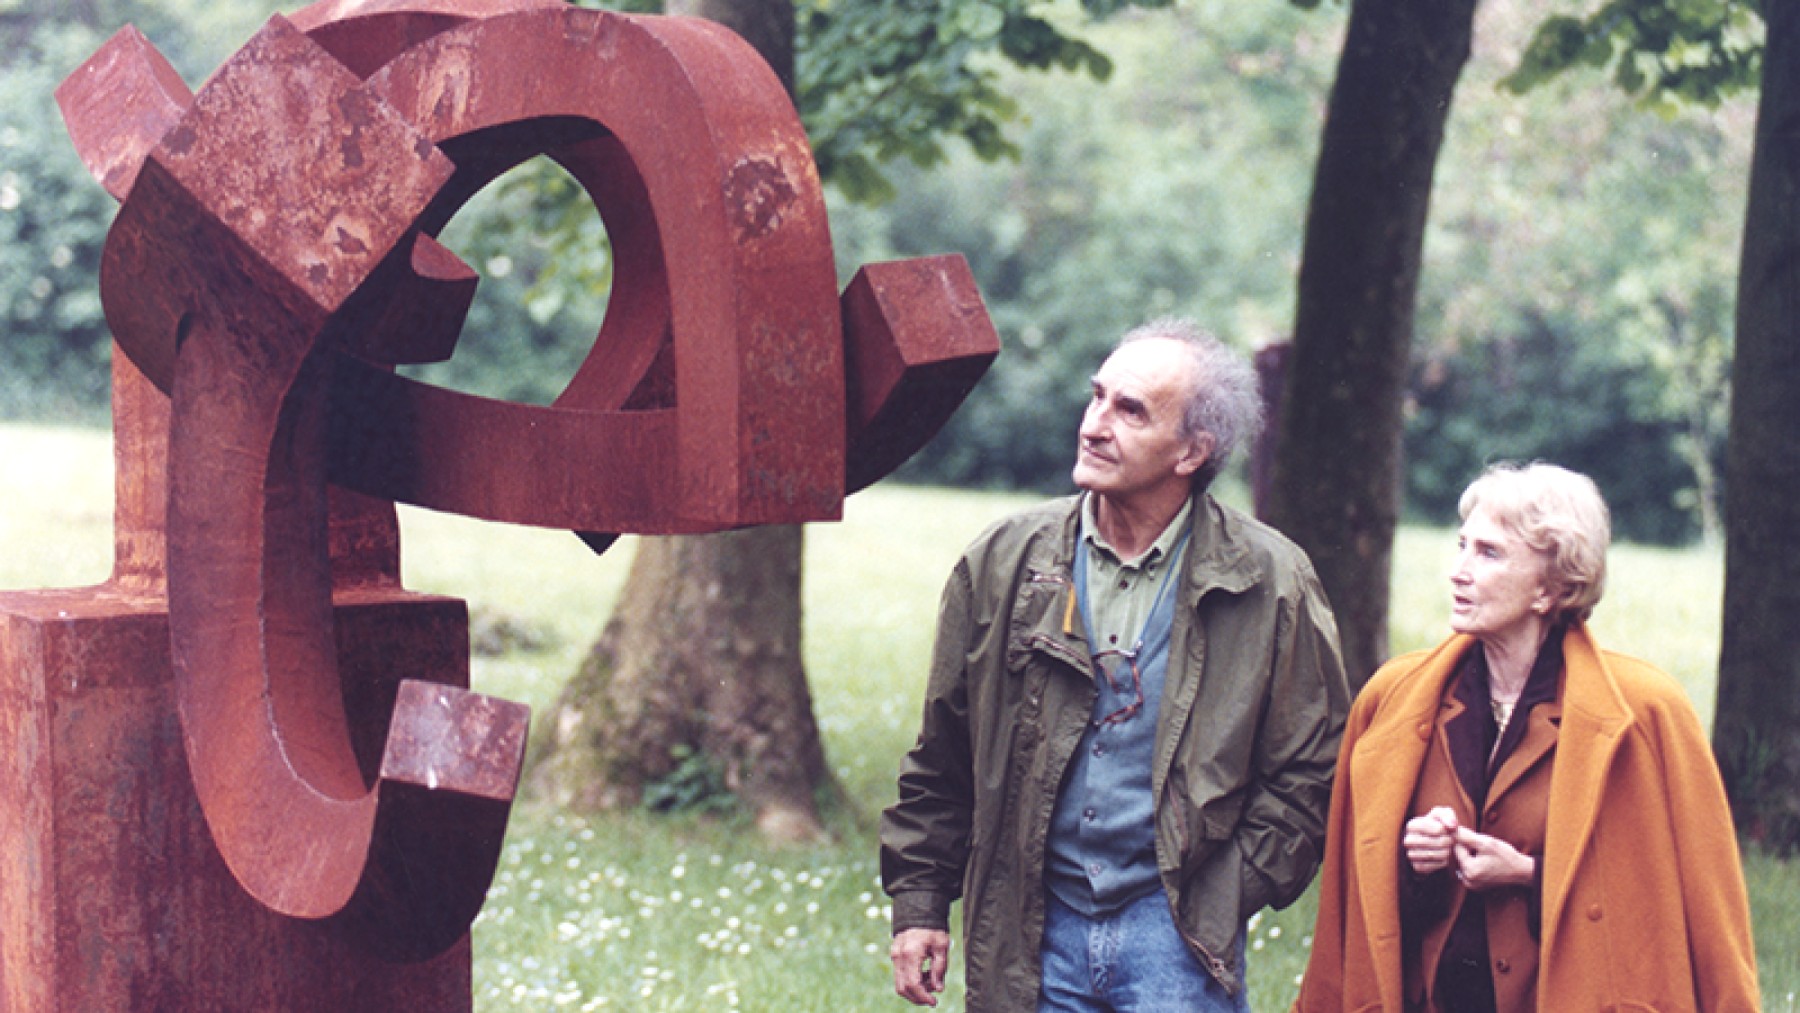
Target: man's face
pixel 1131 443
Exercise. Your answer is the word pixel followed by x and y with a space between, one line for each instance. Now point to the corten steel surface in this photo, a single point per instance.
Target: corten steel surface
pixel 274 257
pixel 112 893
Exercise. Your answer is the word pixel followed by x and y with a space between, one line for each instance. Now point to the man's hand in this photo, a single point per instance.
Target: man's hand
pixel 920 958
pixel 1430 840
pixel 1484 863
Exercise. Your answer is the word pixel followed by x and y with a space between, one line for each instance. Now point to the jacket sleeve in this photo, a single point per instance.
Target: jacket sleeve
pixel 925 834
pixel 1714 897
pixel 1281 834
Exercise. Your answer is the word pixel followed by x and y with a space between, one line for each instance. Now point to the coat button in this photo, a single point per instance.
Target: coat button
pixel 1594 913
pixel 1493 815
pixel 1424 730
pixel 1503 966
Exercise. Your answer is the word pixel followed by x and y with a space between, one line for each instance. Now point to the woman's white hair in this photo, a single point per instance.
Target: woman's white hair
pixel 1557 512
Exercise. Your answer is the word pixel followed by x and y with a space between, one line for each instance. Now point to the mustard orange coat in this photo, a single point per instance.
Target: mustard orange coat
pixel 1644 906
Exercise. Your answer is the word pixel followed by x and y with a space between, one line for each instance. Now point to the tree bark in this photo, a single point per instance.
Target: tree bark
pixel 1759 666
pixel 1337 476
pixel 697 683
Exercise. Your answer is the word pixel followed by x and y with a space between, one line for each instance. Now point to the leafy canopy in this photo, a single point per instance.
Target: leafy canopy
pixel 880 81
pixel 1666 52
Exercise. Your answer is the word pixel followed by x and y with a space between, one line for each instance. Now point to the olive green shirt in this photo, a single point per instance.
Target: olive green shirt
pixel 1121 593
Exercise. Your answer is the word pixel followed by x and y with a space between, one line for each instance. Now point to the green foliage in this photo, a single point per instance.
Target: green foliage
pixel 1533 394
pixel 1665 51
pixel 1578 299
pixel 695 783
pixel 54 343
pixel 545 268
pixel 53 220
pixel 880 81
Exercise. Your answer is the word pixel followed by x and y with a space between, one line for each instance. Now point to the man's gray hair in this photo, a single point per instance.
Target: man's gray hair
pixel 1226 402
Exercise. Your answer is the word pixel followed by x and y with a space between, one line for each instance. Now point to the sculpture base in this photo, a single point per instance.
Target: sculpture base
pixel 112 895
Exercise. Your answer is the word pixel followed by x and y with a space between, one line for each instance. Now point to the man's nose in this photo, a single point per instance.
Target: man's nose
pixel 1093 421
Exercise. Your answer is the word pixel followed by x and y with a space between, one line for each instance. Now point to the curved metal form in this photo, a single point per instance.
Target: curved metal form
pixel 274 257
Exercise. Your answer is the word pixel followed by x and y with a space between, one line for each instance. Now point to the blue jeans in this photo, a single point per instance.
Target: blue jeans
pixel 1131 961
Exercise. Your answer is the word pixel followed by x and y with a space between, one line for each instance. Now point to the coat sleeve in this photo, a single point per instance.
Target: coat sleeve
pixel 925 834
pixel 1322 986
pixel 1281 834
pixel 1714 897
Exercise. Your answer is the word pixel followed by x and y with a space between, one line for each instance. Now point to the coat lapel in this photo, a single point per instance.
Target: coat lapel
pixel 1540 738
pixel 1383 772
pixel 1594 721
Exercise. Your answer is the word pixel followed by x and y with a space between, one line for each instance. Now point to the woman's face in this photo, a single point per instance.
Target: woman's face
pixel 1499 585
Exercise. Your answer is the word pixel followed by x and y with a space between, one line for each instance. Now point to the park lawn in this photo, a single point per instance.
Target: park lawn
pixel 639 912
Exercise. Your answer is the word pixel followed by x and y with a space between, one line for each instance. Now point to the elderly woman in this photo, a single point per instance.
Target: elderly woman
pixel 1521 820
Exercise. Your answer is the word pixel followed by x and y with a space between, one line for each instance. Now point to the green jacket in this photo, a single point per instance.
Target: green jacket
pixel 1246 741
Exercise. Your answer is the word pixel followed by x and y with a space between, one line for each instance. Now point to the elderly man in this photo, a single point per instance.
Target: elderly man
pixel 1134 708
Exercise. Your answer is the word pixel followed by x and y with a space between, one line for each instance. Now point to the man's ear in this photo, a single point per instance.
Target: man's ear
pixel 1199 451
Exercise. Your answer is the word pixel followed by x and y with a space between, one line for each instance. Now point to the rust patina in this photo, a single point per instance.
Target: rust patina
pixel 274 258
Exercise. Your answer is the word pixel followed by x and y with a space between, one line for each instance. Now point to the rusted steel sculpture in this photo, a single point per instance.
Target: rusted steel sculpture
pixel 274 258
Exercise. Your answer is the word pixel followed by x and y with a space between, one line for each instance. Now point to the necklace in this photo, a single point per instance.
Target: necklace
pixel 1502 711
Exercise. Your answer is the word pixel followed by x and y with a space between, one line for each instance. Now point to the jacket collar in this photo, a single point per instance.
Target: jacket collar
pixel 1219 558
pixel 1218 554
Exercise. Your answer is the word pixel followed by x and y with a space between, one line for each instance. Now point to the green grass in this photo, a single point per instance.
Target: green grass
pixel 633 912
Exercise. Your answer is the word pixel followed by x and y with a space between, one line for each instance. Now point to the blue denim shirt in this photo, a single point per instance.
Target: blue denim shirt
pixel 1101 850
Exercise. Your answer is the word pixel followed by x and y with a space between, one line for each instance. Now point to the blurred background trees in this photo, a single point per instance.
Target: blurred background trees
pixel 1575 301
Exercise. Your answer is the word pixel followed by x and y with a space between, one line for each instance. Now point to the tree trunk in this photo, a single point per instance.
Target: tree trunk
pixel 697 683
pixel 1337 482
pixel 1759 666
pixel 696 686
